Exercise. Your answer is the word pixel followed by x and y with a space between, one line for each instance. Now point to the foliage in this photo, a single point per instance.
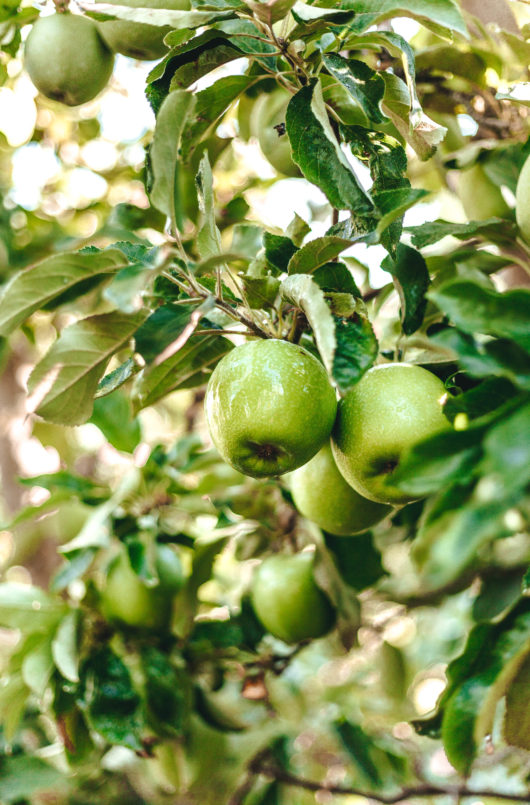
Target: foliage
pixel 116 310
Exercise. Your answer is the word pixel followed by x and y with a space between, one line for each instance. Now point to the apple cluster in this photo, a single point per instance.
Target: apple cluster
pixel 70 57
pixel 271 410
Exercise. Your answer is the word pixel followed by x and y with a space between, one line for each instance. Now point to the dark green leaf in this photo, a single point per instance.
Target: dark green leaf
pixel 336 277
pixel 317 253
pixel 355 352
pixel 433 231
pixel 278 250
pixel 167 692
pixel 411 279
pixel 364 84
pixel 358 744
pixel 357 559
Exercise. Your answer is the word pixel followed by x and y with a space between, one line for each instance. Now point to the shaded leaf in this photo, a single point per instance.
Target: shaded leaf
pixel 411 279
pixel 356 350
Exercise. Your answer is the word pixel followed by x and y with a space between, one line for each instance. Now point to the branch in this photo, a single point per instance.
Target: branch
pixel 269 769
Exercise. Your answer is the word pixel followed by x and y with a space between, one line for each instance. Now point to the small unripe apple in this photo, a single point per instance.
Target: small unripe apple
pixel 67 59
pixel 522 201
pixel 480 197
pixel 138 40
pixel 269 407
pixel 287 600
pixel 393 407
pixel 127 599
pixel 322 495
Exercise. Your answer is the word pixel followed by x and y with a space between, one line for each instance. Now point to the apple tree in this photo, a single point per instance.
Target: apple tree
pixel 264 472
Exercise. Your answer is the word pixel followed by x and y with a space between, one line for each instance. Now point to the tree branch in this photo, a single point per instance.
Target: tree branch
pixel 269 769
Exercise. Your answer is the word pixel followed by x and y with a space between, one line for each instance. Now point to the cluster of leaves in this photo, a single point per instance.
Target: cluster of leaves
pixel 149 321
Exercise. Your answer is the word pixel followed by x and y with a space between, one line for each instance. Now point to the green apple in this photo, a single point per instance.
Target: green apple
pixel 67 59
pixel 138 40
pixel 522 201
pixel 322 495
pixel 270 112
pixel 269 407
pixel 389 410
pixel 480 197
pixel 127 599
pixel 287 600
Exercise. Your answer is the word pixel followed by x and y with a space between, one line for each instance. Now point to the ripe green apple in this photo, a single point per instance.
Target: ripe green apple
pixel 138 40
pixel 67 59
pixel 389 410
pixel 276 147
pixel 269 407
pixel 125 597
pixel 322 495
pixel 522 201
pixel 287 600
pixel 480 197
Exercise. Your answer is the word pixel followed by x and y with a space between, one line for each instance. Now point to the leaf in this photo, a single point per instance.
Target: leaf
pixel 517 716
pixel 411 279
pixel 433 231
pixel 442 16
pixel 35 287
pixel 23 776
pixel 109 701
pixel 481 399
pixel 358 744
pixel 155 16
pixel 210 105
pixel 356 350
pixel 364 84
pixel 476 309
pixel 65 650
pixel 304 293
pixel 469 710
pixel 316 150
pixel 507 449
pixel 113 416
pixel 117 377
pixel 37 666
pixel 208 236
pixel 316 253
pixel 278 250
pixel 65 381
pixel 164 155
pixel 28 608
pixel 421 133
pixel 167 692
pixel 357 559
pixel 336 276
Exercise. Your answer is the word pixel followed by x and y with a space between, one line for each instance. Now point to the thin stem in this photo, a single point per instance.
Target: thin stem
pixel 269 769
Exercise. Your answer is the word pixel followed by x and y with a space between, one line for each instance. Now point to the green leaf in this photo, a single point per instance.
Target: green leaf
pixel 481 399
pixel 164 155
pixel 336 276
pixel 304 293
pixel 109 701
pixel 433 231
pixel 364 84
pixel 357 559
pixel 157 16
pixel 442 16
pixel 358 745
pixel 474 308
pixel 278 250
pixel 500 357
pixel 316 150
pixel 37 665
pixel 23 776
pixel 117 377
pixel 411 279
pixel 356 350
pixel 421 133
pixel 210 105
pixel 28 608
pixel 517 716
pixel 208 236
pixel 316 253
pixel 65 381
pixel 64 647
pixel 35 287
pixel 113 416
pixel 507 449
pixel 167 692
pixel 469 710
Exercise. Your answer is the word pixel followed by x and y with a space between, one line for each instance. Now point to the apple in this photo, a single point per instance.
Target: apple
pixel 522 201
pixel 127 599
pixel 67 59
pixel 138 40
pixel 287 600
pixel 269 407
pixel 322 495
pixel 389 410
pixel 480 197
pixel 270 112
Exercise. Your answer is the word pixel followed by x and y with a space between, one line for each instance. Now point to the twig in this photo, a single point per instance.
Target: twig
pixel 268 769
